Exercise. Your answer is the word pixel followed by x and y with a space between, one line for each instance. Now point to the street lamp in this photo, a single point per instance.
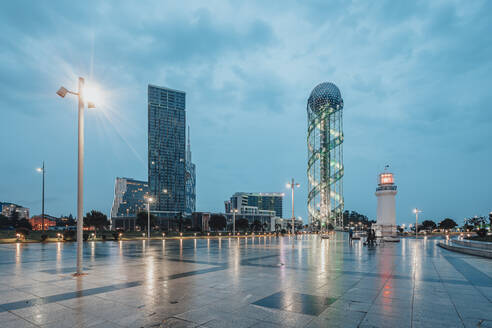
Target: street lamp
pixel 292 185
pixel 149 200
pixel 62 92
pixel 42 170
pixel 234 211
pixel 416 211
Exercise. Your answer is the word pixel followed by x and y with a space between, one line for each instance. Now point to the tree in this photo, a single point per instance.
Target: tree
pixel 477 221
pixel 217 222
pixel 242 224
pixel 429 225
pixel 142 218
pixel 355 218
pixel 447 223
pixel 23 223
pixel 256 226
pixel 96 219
pixel 66 221
pixel 14 216
pixel 180 221
pixel 5 222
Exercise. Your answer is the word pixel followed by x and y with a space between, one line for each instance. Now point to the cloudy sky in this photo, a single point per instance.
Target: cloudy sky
pixel 415 76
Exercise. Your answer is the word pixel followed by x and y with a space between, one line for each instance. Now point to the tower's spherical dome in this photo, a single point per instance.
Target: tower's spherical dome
pixel 323 94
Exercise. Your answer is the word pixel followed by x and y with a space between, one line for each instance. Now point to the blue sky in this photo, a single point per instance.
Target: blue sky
pixel 415 77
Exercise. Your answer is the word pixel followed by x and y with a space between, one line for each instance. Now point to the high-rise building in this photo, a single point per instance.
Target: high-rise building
pixel 272 201
pixel 167 158
pixel 190 180
pixel 129 197
pixel 325 156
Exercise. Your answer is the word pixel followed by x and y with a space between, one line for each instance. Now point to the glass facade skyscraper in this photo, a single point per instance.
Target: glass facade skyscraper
pixel 190 180
pixel 167 149
pixel 129 197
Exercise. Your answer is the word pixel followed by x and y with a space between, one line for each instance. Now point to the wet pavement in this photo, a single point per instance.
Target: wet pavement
pixel 253 282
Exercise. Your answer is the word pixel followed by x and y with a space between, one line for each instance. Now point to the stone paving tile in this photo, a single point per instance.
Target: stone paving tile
pixel 18 323
pixel 381 321
pixel 230 320
pixel 173 283
pixel 337 318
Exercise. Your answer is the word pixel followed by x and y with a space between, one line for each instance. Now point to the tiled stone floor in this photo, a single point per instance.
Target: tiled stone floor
pixel 260 282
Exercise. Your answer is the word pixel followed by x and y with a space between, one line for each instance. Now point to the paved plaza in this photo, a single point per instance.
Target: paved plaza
pixel 253 282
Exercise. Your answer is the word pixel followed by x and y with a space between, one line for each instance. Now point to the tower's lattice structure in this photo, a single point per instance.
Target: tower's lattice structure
pixel 325 155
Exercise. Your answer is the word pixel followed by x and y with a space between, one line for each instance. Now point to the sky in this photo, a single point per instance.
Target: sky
pixel 415 77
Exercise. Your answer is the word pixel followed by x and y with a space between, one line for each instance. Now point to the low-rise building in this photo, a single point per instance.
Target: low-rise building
pixel 37 222
pixel 268 201
pixel 8 209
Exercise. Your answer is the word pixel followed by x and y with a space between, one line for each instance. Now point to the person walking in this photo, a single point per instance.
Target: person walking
pixel 351 235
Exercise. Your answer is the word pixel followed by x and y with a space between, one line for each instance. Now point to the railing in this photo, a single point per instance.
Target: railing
pixel 380 188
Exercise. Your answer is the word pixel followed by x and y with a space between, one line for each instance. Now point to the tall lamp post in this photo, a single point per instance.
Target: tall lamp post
pixel 62 92
pixel 293 185
pixel 149 200
pixel 234 211
pixel 42 170
pixel 416 211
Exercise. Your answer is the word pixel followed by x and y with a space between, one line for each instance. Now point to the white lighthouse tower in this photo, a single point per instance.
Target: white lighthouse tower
pixel 386 214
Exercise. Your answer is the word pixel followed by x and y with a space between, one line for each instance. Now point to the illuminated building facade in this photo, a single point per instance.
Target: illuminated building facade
pixel 129 197
pixel 190 180
pixel 167 148
pixel 267 201
pixel 325 155
pixel 8 210
pixel 386 212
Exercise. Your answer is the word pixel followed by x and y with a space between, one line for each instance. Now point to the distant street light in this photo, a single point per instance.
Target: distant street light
pixel 234 211
pixel 42 170
pixel 149 200
pixel 62 92
pixel 416 211
pixel 293 185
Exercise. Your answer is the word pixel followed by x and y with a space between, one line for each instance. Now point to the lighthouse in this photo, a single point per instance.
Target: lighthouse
pixel 386 214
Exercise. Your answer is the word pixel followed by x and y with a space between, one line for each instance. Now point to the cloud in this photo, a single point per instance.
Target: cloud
pixel 414 75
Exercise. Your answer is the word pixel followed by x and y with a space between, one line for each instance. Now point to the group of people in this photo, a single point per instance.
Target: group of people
pixel 371 237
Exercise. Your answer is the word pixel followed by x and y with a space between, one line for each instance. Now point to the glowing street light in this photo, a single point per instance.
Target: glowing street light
pixel 293 185
pixel 62 92
pixel 42 170
pixel 149 200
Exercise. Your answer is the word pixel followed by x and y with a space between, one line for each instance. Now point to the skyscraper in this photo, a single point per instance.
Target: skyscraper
pixel 129 197
pixel 167 158
pixel 190 180
pixel 325 155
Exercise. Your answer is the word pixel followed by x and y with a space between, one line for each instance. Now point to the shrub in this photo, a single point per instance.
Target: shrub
pixel 482 232
pixel 22 231
pixel 69 235
pixel 44 237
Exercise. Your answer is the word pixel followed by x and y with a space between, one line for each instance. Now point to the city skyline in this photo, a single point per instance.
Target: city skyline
pixel 413 99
